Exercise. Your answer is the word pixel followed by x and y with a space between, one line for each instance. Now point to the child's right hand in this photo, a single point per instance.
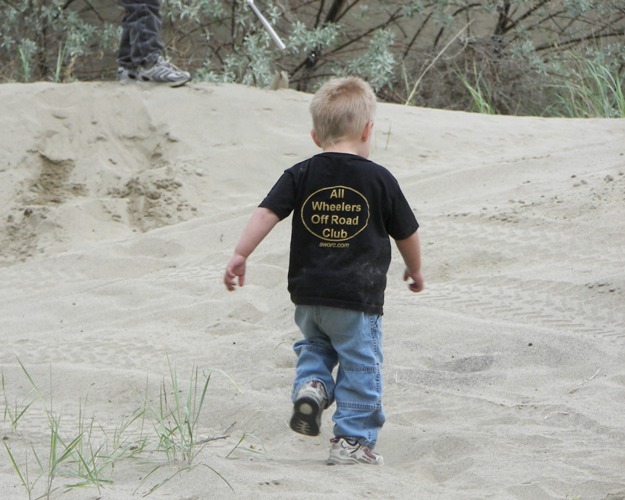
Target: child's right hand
pixel 417 284
pixel 235 269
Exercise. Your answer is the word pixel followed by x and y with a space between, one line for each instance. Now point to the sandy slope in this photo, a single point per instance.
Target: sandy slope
pixel 121 205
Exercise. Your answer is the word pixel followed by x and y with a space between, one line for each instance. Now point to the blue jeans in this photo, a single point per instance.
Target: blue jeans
pixel 353 341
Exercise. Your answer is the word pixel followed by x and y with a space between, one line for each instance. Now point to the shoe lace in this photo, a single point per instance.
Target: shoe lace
pixel 348 440
pixel 165 63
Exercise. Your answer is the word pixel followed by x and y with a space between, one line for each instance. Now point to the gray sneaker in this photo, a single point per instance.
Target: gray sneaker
pixel 165 72
pixel 126 75
pixel 348 451
pixel 309 404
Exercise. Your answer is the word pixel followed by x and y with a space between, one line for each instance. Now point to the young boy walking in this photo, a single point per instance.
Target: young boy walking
pixel 344 208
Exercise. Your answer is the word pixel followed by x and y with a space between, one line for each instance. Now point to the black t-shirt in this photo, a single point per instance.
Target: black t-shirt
pixel 344 207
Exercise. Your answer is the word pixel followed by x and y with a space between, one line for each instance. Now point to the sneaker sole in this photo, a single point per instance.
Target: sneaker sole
pixel 148 82
pixel 306 417
pixel 341 460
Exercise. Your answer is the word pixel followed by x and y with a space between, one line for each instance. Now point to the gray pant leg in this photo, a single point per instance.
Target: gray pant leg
pixel 141 27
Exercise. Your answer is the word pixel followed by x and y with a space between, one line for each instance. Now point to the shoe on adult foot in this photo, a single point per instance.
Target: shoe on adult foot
pixel 309 404
pixel 126 75
pixel 348 451
pixel 163 71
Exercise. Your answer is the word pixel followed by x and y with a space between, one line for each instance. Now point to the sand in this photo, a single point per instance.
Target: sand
pixel 120 206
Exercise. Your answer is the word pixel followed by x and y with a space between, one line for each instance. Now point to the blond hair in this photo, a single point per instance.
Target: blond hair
pixel 341 108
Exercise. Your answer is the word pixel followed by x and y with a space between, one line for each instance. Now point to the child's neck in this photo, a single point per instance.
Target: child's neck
pixel 351 147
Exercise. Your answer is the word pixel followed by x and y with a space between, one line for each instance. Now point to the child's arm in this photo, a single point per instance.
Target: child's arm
pixel 410 249
pixel 260 224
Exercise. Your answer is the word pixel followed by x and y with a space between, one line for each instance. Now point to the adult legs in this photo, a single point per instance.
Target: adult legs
pixel 140 43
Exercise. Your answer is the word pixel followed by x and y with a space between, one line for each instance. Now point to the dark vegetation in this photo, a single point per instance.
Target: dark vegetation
pixel 538 57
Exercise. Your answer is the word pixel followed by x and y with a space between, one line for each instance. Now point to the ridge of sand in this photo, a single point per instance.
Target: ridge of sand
pixel 504 379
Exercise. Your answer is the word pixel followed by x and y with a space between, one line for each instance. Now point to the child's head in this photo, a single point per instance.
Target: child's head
pixel 341 109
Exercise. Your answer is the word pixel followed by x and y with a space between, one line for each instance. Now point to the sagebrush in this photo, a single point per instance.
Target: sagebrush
pixel 507 57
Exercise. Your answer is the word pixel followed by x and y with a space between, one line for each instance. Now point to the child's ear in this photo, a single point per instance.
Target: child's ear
pixel 366 133
pixel 315 139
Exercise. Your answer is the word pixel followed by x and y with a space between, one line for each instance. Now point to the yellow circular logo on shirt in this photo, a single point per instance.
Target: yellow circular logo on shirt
pixel 335 213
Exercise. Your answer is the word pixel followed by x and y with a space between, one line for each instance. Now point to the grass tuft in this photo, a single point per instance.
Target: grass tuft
pixel 591 88
pixel 85 455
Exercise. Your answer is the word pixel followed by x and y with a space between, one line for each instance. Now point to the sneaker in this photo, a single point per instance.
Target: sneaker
pixel 163 72
pixel 309 404
pixel 348 451
pixel 126 75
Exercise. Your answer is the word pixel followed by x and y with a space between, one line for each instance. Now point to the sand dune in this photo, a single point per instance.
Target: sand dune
pixel 120 206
